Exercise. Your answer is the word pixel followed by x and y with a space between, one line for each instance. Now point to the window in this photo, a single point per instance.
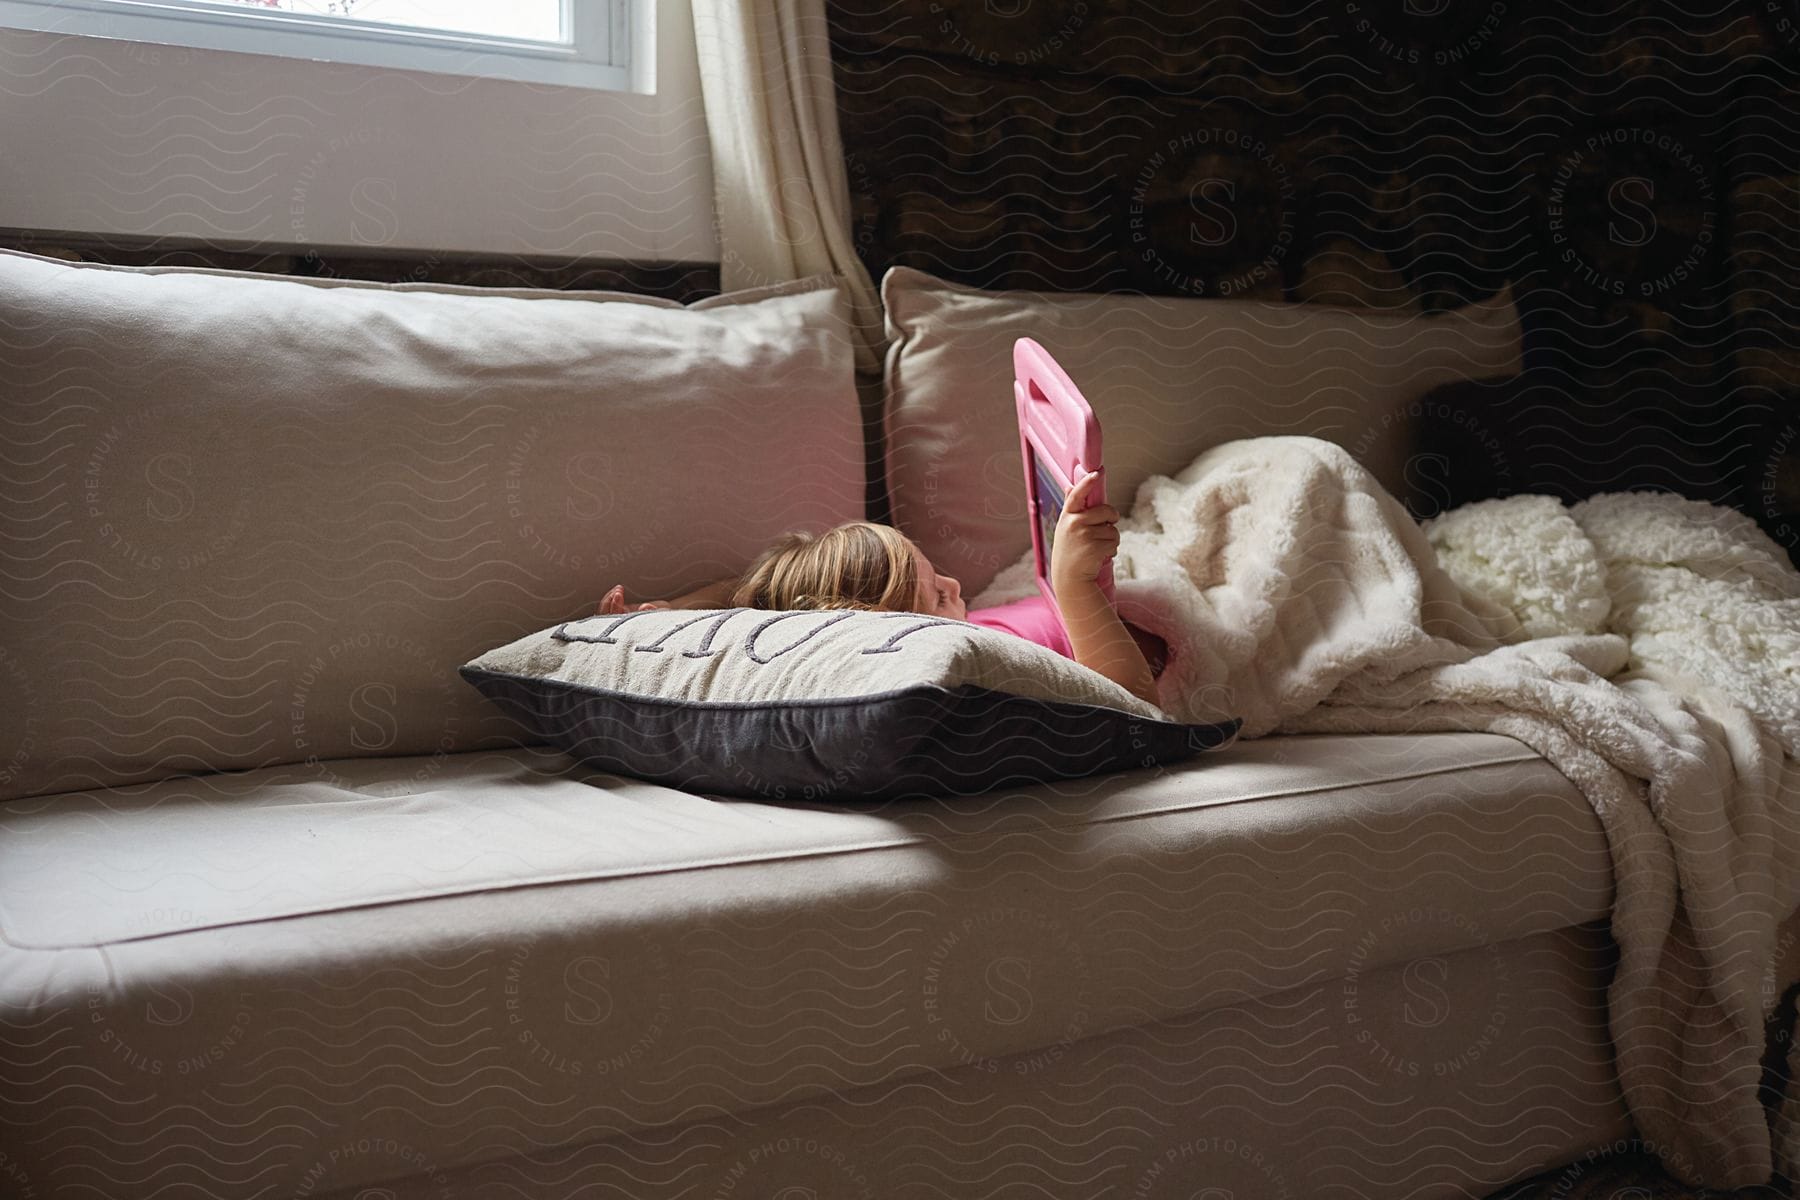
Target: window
pixel 572 43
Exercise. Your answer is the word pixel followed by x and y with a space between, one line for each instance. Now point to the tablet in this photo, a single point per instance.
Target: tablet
pixel 1059 441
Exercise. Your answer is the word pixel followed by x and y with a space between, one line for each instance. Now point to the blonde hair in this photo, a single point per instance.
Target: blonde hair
pixel 858 564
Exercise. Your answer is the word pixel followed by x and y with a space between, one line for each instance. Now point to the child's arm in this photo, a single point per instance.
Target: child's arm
pixel 1085 539
pixel 713 595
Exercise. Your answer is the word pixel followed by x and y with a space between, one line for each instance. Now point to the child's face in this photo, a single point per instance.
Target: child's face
pixel 939 595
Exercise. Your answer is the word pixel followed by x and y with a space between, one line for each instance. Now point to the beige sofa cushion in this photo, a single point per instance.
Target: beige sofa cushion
pixel 449 935
pixel 1168 378
pixel 253 519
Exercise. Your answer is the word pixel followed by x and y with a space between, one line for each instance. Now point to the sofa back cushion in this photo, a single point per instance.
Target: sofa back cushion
pixel 252 519
pixel 1168 378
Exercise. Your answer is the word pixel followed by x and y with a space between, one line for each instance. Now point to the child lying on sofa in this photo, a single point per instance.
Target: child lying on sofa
pixel 861 564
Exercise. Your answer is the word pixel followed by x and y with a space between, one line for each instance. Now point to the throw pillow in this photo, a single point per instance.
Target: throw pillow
pixel 823 704
pixel 1167 377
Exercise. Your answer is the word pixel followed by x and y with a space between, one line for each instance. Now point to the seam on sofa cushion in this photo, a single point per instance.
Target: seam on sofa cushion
pixel 740 860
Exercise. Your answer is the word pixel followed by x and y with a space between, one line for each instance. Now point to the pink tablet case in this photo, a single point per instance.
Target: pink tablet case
pixel 1059 436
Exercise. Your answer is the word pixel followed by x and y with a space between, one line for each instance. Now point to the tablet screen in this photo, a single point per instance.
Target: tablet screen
pixel 1048 501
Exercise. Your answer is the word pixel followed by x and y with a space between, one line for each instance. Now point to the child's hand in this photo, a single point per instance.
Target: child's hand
pixel 1086 538
pixel 614 602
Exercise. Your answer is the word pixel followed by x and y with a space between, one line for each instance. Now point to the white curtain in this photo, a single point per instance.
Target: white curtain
pixel 778 166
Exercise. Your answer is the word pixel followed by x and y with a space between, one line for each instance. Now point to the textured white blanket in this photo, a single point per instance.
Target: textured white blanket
pixel 1647 645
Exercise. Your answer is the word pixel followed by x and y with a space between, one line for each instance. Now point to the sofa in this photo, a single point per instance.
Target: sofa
pixel 287 909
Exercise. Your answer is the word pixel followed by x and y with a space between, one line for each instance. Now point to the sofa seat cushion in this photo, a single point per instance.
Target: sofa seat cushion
pixel 513 950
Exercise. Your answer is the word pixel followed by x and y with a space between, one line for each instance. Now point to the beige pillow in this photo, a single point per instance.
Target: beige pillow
pixel 252 519
pixel 1168 378
pixel 825 704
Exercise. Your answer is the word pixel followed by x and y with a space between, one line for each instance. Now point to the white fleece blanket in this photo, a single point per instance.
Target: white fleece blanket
pixel 1647 645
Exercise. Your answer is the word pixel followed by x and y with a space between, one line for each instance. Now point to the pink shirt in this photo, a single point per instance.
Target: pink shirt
pixel 1035 620
pixel 1031 618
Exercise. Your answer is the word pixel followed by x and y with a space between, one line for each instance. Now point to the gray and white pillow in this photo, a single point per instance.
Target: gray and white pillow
pixel 825 704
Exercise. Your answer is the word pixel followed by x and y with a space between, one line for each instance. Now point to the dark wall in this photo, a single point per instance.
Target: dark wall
pixel 1636 176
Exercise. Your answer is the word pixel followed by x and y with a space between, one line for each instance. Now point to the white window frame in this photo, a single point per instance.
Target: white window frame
pixel 598 56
